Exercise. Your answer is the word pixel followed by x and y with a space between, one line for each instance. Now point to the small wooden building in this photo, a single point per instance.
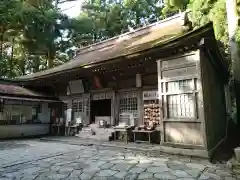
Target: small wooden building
pixel 24 112
pixel 164 73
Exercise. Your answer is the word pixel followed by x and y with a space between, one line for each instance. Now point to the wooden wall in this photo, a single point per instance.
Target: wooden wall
pixel 180 99
pixel 23 130
pixel 214 103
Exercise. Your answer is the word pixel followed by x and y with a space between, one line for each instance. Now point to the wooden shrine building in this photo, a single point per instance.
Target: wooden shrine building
pixel 164 73
pixel 23 111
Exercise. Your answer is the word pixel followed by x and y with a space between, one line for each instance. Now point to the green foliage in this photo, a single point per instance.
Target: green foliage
pixel 218 16
pixel 205 11
pixel 111 18
pixel 36 35
pixel 174 6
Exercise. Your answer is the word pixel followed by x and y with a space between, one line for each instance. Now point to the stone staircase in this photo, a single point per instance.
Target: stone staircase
pixel 93 132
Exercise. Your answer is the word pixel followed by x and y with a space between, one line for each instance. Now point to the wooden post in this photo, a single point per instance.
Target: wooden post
pixel 113 101
pixel 140 107
pixel 116 109
pixel 199 57
pixel 160 102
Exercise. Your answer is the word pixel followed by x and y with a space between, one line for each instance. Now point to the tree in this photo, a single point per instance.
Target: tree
pixel 111 18
pixel 174 6
pixel 34 35
pixel 10 28
pixel 202 12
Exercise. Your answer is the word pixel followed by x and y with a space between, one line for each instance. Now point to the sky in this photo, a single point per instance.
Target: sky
pixel 72 9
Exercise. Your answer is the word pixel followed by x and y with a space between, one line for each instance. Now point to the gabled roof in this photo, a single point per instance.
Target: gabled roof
pixel 120 46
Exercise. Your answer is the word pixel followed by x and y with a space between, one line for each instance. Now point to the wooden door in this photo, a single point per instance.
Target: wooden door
pixel 81 108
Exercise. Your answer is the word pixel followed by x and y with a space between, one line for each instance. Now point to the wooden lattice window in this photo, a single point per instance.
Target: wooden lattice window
pixel 129 103
pixel 86 105
pixel 81 107
pixel 180 86
pixel 181 105
pixel 65 106
pixel 180 98
pixel 78 105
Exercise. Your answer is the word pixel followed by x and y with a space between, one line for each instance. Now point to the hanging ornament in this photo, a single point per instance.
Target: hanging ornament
pixel 97 82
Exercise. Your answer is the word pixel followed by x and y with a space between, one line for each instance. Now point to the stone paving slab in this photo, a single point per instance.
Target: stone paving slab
pixel 96 163
pixel 29 150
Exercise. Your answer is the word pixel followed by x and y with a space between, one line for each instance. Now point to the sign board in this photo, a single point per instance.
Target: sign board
pixel 109 95
pixel 126 95
pixel 76 87
pixel 69 115
pixel 100 96
pixel 150 95
pixel 79 120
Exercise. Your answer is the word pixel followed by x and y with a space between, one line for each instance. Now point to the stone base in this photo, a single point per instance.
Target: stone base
pixel 185 152
pixel 237 153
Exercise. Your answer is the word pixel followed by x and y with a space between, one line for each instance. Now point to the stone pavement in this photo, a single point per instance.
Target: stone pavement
pixel 15 152
pixel 94 162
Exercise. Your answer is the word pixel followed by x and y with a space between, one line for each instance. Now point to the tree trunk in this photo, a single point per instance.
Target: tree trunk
pixel 1 45
pixel 50 62
pixel 50 59
pixel 11 59
pixel 23 63
pixel 138 22
pixel 56 3
pixel 232 21
pixel 232 27
pixel 36 64
pixel 22 66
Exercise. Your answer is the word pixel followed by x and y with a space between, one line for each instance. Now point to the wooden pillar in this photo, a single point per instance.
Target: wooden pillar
pixel 116 107
pixel 199 57
pixel 140 107
pixel 160 102
pixel 113 102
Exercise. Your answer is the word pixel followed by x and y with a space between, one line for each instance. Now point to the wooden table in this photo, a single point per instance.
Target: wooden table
pixel 57 126
pixel 72 129
pixel 122 129
pixel 143 131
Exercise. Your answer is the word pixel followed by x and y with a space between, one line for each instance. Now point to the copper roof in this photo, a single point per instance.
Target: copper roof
pixel 123 45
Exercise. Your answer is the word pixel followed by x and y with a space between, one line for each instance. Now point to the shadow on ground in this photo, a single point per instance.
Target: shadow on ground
pixel 7 145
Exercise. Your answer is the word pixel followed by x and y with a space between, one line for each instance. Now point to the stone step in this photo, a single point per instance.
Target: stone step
pixel 237 153
pixel 236 165
pixel 100 133
pixel 86 130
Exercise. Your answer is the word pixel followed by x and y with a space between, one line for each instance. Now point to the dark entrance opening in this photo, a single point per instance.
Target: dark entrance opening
pixel 100 108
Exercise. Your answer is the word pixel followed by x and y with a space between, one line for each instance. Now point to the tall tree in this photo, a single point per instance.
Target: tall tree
pixel 111 18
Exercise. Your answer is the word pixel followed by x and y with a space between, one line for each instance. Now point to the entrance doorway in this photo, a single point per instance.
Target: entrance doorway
pixel 100 108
